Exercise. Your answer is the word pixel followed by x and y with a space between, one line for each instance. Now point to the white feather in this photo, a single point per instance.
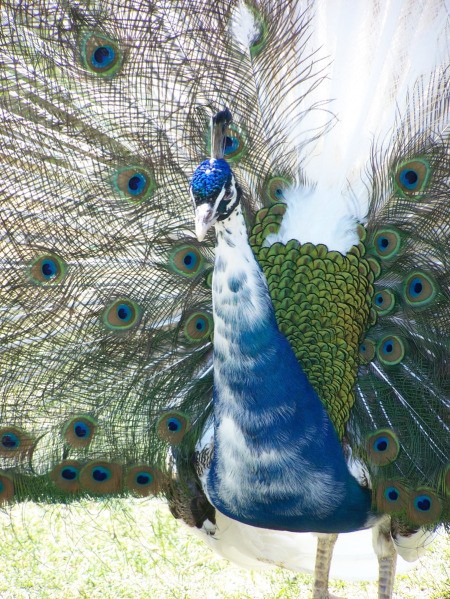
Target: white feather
pixel 379 50
pixel 412 547
pixel 261 549
pixel 244 28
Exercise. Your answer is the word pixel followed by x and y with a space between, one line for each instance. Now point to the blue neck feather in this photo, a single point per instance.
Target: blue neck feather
pixel 278 462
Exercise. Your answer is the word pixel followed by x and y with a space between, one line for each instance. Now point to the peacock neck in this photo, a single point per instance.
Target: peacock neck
pixel 241 300
pixel 277 460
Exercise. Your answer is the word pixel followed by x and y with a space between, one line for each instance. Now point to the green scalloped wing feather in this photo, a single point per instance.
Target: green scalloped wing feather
pixel 322 303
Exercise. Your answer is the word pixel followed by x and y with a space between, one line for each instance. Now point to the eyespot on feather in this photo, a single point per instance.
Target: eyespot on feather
pixel 47 269
pixel 143 480
pixel 235 144
pixel 424 506
pixel 390 350
pixel 101 477
pixel 387 243
pixel 419 289
pixel 122 315
pixel 186 260
pixel 198 327
pixel 14 442
pixel 100 55
pixel 66 476
pixel 172 426
pixel 392 497
pixel 411 178
pixel 275 189
pixel 80 431
pixel 367 350
pixel 133 183
pixel 382 447
pixel 6 488
pixel 383 301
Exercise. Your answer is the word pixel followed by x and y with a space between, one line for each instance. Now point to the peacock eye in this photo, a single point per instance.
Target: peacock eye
pixel 122 315
pixel 235 144
pixel 411 177
pixel 186 260
pixel 382 447
pixel 387 243
pixel 425 507
pixel 198 327
pixel 47 269
pixel 66 476
pixel 14 442
pixel 80 431
pixel 101 55
pixel 69 473
pixel 384 301
pixel 419 289
pixel 135 184
pixel 172 427
pixel 391 494
pixel 390 350
pixel 275 188
pixel 101 477
pixel 231 144
pixel 143 480
pixel 367 350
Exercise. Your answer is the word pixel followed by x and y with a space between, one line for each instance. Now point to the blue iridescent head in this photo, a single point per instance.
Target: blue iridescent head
pixel 214 191
pixel 210 178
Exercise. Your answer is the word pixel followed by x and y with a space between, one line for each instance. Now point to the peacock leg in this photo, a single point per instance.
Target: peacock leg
pixel 386 569
pixel 324 554
pixel 387 558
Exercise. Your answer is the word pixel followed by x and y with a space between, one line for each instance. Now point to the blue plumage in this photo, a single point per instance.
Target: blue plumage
pixel 287 469
pixel 210 177
pixel 279 413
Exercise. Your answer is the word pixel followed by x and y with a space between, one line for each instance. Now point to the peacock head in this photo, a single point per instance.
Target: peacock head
pixel 214 190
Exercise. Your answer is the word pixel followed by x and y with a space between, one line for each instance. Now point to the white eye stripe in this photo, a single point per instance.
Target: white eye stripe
pixel 191 193
pixel 232 200
pixel 219 198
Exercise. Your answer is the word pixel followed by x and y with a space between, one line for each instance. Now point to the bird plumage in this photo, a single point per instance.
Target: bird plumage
pixel 340 117
pixel 277 460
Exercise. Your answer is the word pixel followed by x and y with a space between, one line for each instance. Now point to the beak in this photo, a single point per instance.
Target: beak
pixel 204 220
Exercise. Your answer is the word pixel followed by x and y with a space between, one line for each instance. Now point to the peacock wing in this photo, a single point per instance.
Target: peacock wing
pixel 399 423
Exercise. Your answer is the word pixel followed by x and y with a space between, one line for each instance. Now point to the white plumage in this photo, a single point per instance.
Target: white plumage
pixel 354 556
pixel 377 60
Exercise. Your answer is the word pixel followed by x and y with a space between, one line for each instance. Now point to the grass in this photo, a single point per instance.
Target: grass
pixel 134 549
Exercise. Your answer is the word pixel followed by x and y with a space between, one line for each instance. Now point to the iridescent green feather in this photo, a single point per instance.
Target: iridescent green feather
pixel 404 369
pixel 322 303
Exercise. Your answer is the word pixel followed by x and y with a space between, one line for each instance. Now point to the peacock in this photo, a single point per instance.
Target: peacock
pixel 225 246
